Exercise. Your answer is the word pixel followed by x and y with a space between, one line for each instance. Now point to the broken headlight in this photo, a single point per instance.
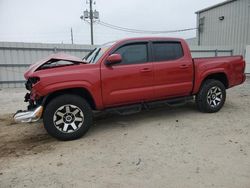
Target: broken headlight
pixel 30 82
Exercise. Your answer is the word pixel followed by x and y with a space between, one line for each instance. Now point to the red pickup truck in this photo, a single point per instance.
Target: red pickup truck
pixel 126 74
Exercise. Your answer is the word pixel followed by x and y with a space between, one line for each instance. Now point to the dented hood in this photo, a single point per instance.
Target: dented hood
pixel 59 56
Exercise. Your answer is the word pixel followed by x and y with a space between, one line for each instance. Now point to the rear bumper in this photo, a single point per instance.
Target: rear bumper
pixel 29 116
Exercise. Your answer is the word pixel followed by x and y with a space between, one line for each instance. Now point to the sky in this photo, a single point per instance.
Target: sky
pixel 50 21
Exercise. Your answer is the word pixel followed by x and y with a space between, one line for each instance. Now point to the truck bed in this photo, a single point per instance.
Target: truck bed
pixel 231 66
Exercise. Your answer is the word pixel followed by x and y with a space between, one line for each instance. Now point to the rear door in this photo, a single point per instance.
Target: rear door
pixel 130 81
pixel 173 70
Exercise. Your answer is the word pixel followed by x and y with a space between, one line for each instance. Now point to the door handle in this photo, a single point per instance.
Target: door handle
pixel 145 70
pixel 184 66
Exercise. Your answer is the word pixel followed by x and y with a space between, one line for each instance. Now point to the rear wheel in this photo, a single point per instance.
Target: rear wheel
pixel 211 96
pixel 67 117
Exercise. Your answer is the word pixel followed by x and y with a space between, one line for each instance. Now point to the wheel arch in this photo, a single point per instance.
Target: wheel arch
pixel 221 76
pixel 82 92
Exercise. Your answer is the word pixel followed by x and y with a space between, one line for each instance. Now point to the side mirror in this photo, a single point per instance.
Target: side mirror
pixel 113 59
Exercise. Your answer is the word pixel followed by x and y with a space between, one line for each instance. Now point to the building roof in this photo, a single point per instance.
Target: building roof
pixel 215 6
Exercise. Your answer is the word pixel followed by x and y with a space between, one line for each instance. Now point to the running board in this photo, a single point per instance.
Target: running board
pixel 135 108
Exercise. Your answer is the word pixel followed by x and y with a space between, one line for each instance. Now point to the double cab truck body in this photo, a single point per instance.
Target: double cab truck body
pixel 65 90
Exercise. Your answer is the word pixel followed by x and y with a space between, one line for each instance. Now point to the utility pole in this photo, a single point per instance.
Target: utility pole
pixel 91 21
pixel 90 16
pixel 72 38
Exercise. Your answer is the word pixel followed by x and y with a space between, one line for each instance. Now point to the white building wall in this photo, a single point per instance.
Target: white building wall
pixel 233 31
pixel 247 59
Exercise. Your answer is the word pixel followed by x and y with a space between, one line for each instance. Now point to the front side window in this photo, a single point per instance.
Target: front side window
pixel 166 51
pixel 133 54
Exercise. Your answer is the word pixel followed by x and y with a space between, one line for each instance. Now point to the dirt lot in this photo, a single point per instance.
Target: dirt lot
pixel 165 147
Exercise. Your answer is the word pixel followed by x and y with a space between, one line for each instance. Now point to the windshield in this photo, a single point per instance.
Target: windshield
pixel 93 56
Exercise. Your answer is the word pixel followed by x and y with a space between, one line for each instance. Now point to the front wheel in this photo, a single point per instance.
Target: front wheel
pixel 211 96
pixel 67 117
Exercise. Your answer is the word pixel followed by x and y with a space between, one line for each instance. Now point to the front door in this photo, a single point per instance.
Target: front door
pixel 130 81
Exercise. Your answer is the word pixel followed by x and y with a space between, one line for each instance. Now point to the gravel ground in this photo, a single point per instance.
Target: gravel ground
pixel 165 147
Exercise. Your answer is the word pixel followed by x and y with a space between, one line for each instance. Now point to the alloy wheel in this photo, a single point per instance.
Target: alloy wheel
pixel 68 118
pixel 214 96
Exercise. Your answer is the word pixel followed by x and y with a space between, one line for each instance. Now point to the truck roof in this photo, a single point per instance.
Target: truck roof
pixel 150 38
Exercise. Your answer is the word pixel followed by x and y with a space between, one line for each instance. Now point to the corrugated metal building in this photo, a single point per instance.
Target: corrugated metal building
pixel 15 57
pixel 225 24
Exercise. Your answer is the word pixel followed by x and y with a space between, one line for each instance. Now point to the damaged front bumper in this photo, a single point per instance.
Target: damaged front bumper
pixel 35 105
pixel 29 115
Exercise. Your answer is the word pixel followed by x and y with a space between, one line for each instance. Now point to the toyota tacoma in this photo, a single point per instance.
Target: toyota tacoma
pixel 127 74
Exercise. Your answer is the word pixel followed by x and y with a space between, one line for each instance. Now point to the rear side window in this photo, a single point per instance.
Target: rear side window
pixel 166 51
pixel 133 53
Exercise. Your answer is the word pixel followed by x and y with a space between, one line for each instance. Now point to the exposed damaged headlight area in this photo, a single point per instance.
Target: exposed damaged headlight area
pixel 31 96
pixel 30 82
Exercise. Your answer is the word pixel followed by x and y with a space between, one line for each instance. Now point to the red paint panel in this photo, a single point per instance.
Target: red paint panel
pixel 123 84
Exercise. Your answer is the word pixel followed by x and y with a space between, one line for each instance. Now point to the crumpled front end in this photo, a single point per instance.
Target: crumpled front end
pixel 35 76
pixel 35 105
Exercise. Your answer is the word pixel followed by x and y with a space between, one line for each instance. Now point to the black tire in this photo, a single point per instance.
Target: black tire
pixel 74 107
pixel 207 94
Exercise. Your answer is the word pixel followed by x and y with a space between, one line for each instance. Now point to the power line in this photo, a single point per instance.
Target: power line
pixel 130 30
pixel 141 31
